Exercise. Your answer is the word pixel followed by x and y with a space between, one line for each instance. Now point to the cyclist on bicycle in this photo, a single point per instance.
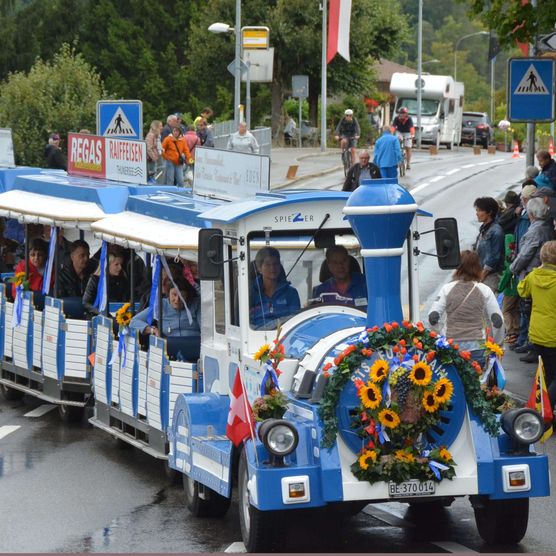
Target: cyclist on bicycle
pixel 403 126
pixel 348 131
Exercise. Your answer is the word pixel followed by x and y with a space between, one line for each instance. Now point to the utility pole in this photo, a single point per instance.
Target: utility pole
pixel 419 71
pixel 323 78
pixel 237 76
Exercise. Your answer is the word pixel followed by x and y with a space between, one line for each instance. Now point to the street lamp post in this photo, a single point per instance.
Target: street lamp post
pixel 225 28
pixel 456 49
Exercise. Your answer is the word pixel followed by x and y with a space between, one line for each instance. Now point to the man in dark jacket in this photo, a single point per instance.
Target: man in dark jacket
pixel 548 168
pixel 508 217
pixel 362 170
pixel 53 154
pixel 74 276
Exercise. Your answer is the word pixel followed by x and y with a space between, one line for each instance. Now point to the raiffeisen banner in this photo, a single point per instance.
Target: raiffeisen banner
pixel 112 159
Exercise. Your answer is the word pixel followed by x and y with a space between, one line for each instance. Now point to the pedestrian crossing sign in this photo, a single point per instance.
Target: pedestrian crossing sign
pixel 120 119
pixel 531 89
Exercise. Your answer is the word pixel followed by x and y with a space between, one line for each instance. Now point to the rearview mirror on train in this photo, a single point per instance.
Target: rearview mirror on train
pixel 447 242
pixel 211 250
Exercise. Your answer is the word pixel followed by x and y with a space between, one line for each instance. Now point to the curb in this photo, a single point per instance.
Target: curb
pixel 306 176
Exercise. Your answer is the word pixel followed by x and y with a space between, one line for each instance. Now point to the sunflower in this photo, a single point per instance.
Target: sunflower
pixel 445 455
pixel 261 352
pixel 404 456
pixel 366 457
pixel 370 396
pixel 429 402
pixel 389 418
pixel 379 370
pixel 494 348
pixel 123 316
pixel 421 374
pixel 443 390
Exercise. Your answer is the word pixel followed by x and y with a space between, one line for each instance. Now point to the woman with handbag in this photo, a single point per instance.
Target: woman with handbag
pixel 176 154
pixel 469 307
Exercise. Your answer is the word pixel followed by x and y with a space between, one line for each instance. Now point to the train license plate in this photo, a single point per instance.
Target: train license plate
pixel 410 488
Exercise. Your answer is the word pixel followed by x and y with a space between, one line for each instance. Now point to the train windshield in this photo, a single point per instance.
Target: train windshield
pixel 288 273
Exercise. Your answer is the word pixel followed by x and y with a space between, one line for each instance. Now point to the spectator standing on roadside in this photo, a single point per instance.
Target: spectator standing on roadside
pixel 206 114
pixel 362 170
pixel 531 172
pixel 388 154
pixel 176 154
pixel 548 169
pixel 204 132
pixel 191 139
pixel 508 217
pixel 243 141
pixel 490 241
pixel 53 154
pixel 289 130
pixel 154 147
pixel 171 123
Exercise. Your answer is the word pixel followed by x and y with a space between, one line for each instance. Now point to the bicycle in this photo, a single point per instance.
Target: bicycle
pixel 346 159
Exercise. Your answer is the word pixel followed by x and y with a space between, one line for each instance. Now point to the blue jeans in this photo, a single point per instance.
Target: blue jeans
pixel 173 174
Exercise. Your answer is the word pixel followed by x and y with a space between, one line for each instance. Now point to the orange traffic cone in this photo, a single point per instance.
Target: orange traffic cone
pixel 516 151
pixel 551 148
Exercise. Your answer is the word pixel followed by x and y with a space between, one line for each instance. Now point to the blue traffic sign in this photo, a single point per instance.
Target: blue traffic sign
pixel 120 118
pixel 531 89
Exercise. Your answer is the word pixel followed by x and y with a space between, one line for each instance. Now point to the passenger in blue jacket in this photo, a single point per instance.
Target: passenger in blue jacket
pixel 175 321
pixel 388 154
pixel 271 296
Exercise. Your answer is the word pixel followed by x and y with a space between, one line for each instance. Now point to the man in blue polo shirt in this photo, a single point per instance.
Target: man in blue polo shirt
pixel 344 287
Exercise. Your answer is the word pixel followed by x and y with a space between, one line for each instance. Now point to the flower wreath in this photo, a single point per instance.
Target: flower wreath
pixel 401 401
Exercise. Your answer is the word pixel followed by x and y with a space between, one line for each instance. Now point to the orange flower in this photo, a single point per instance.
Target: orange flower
pixel 403 351
pixel 433 334
pixel 420 327
pixel 395 325
pixel 415 340
pixel 465 355
pixel 339 359
pixel 415 358
pixel 327 367
pixel 326 374
pixel 395 349
pixel 402 342
pixel 430 356
pixel 419 345
pixel 387 327
pixel 373 329
pixel 451 341
pixel 406 324
pixel 456 346
pixel 366 352
pixel 348 350
pixel 358 383
pixel 477 367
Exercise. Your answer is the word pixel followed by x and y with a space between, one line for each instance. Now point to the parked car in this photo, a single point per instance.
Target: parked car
pixel 477 129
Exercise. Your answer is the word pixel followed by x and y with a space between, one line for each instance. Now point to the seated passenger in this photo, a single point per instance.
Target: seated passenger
pixel 344 287
pixel 271 297
pixel 175 321
pixel 75 276
pixel 118 285
pixel 38 253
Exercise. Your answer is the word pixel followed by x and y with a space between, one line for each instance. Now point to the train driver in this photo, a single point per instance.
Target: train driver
pixel 271 296
pixel 344 287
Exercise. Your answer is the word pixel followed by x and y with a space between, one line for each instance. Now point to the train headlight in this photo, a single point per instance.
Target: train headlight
pixel 523 425
pixel 279 437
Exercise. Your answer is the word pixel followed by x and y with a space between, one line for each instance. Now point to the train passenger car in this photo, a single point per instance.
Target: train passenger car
pixel 45 342
pixel 376 407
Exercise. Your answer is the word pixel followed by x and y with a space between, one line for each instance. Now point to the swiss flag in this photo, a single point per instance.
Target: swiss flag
pixel 240 418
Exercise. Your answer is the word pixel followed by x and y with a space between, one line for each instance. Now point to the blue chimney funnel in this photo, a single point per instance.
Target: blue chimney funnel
pixel 380 213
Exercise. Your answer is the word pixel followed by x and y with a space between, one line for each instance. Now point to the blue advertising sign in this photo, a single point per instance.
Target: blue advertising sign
pixel 531 89
pixel 120 118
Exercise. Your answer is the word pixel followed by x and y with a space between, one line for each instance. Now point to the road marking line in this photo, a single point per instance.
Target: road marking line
pixel 385 513
pixel 420 187
pixel 8 429
pixel 40 411
pixel 453 171
pixel 469 165
pixel 454 547
pixel 437 178
pixel 237 548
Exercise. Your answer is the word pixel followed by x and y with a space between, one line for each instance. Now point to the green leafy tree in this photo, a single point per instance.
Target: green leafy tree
pixel 58 95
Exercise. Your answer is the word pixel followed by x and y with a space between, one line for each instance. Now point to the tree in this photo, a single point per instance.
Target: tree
pixel 58 95
pixel 377 29
pixel 515 21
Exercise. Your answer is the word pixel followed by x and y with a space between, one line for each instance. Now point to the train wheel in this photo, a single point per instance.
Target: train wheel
pixel 202 501
pixel 261 531
pixel 11 394
pixel 502 521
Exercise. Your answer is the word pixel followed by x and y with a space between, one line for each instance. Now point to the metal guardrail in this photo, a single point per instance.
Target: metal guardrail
pixel 222 131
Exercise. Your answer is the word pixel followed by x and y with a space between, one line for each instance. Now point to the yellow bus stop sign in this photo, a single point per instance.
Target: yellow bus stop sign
pixel 255 38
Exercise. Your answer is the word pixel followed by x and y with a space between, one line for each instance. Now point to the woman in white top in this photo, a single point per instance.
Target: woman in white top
pixel 470 308
pixel 243 141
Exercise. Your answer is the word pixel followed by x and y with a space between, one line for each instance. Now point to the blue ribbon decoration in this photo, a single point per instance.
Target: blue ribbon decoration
pixel 437 467
pixel 18 306
pixel 269 374
pixel 47 278
pixel 382 434
pixel 435 471
pixel 364 337
pixel 101 298
pixel 442 342
pixel 387 392
pixel 153 298
pixel 500 374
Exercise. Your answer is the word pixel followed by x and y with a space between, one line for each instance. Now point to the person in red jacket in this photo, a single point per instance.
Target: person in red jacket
pixel 38 253
pixel 176 154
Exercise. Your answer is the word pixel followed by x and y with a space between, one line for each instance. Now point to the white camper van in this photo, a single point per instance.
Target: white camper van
pixel 441 106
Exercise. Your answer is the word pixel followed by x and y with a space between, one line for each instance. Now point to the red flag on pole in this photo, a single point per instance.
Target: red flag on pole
pixel 339 18
pixel 240 420
pixel 539 400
